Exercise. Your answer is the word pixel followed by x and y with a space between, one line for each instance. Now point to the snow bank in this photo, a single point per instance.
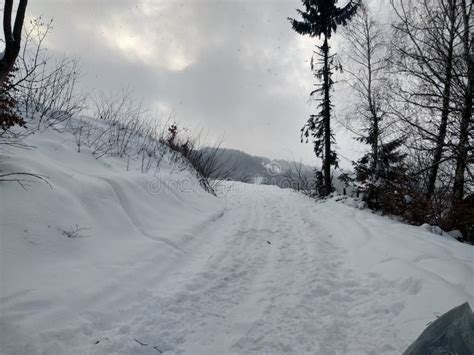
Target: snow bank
pixel 416 274
pixel 92 237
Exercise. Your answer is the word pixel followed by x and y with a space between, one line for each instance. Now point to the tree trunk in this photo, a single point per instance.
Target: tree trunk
pixel 12 38
pixel 445 110
pixel 439 141
pixel 327 120
pixel 373 111
pixel 462 151
pixel 375 150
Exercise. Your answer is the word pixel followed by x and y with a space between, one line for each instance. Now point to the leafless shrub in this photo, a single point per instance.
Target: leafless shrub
pixel 191 151
pixel 47 87
pixel 120 115
pixel 121 128
pixel 205 162
pixel 299 179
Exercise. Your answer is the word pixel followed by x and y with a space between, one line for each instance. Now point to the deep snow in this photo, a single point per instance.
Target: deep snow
pixel 161 266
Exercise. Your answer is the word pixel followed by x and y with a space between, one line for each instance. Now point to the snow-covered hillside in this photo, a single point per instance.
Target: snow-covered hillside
pixel 111 261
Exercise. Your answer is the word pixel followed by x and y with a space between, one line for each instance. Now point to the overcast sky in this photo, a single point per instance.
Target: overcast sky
pixel 233 67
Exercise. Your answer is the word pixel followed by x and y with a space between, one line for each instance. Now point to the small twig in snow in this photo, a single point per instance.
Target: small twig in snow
pixel 74 232
pixel 139 342
pixel 145 344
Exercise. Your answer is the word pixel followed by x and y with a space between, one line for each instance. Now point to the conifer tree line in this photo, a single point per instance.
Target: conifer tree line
pixel 413 83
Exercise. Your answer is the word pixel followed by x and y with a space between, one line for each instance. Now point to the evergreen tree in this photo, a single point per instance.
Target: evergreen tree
pixel 386 191
pixel 321 18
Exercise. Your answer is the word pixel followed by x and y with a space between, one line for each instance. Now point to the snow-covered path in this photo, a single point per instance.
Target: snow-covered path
pixel 261 270
pixel 265 285
pixel 274 277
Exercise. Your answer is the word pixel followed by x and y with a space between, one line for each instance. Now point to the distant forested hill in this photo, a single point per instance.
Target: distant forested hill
pixel 236 165
pixel 233 164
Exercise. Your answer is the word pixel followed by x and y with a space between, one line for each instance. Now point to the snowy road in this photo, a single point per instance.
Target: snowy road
pixel 271 272
pixel 274 274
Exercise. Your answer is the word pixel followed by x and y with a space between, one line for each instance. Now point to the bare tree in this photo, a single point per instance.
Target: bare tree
pixel 425 52
pixel 466 122
pixel 12 38
pixel 368 72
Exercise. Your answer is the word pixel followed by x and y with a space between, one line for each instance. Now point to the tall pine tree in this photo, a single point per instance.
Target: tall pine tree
pixel 321 18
